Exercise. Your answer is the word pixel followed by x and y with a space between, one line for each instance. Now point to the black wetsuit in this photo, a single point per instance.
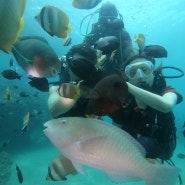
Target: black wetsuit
pixel 155 130
pixel 125 48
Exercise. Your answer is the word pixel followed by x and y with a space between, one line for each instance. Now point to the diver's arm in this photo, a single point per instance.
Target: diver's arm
pixel 163 103
pixel 59 105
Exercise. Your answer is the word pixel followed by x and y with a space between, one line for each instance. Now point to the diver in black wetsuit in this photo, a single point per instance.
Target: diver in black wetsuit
pixel 110 23
pixel 148 116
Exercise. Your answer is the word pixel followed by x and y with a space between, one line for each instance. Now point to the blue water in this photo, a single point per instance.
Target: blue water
pixel 162 22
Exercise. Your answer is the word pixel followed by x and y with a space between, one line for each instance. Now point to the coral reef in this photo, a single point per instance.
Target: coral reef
pixel 5 167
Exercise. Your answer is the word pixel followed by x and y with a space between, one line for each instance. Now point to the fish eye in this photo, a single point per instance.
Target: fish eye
pixel 63 121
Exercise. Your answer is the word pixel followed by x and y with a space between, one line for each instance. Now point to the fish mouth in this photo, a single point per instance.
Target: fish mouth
pixel 46 127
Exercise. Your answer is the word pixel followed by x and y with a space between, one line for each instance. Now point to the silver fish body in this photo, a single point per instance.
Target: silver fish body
pixel 97 144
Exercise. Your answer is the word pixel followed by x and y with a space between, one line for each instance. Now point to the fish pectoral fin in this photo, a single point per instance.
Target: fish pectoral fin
pixel 122 178
pixel 79 168
pixel 89 145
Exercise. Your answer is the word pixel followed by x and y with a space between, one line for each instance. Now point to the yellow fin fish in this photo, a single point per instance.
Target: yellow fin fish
pixel 140 40
pixel 11 13
pixel 54 21
pixel 111 59
pixel 100 60
pixel 85 4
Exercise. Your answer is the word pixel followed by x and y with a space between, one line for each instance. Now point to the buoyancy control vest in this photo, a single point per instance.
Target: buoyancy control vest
pixel 148 122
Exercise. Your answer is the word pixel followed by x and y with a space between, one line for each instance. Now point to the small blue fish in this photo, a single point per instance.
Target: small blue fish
pixel 19 175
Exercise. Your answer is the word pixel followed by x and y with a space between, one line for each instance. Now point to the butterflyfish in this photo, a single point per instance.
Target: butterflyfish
pixel 54 21
pixel 140 40
pixel 11 21
pixel 59 168
pixel 85 4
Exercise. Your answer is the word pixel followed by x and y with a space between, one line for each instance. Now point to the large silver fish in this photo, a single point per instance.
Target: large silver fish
pixel 11 22
pixel 97 144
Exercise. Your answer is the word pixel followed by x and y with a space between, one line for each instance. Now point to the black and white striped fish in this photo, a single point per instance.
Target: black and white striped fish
pixel 54 21
pixel 59 168
pixel 85 4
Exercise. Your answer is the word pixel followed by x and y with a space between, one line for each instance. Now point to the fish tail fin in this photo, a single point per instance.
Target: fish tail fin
pixel 163 175
pixel 21 25
pixel 70 27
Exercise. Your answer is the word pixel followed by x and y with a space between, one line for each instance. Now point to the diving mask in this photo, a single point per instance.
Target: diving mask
pixel 139 70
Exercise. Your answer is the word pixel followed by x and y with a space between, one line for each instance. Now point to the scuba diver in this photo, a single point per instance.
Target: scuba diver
pixel 110 23
pixel 148 116
pixel 79 70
